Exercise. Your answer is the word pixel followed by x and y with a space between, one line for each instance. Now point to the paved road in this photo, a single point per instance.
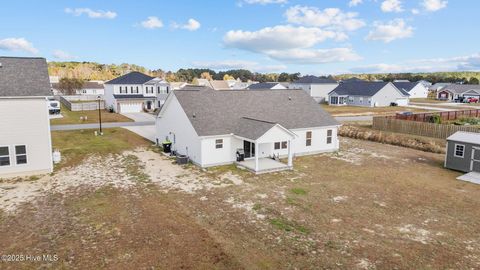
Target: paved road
pixel 104 125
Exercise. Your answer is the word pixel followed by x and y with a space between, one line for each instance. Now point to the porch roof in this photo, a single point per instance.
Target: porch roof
pixel 253 129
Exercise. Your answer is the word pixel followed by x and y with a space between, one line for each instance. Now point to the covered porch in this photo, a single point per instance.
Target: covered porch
pixel 265 165
pixel 263 144
pixel 338 100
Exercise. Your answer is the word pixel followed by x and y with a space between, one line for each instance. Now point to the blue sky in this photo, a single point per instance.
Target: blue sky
pixel 307 36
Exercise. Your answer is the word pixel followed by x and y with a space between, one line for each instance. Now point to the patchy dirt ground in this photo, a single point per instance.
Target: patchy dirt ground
pixel 368 206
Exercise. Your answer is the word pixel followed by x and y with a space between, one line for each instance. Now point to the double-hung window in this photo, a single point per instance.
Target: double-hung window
pixel 218 143
pixel 329 136
pixel 459 150
pixel 4 156
pixel 20 154
pixel 308 138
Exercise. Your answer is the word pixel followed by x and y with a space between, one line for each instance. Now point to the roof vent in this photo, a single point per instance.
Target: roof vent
pixel 194 115
pixel 289 98
pixel 1 65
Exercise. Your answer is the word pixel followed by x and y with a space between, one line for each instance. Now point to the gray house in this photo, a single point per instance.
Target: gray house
pixel 463 152
pixel 367 94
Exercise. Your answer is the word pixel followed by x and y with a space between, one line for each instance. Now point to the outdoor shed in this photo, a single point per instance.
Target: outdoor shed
pixel 463 152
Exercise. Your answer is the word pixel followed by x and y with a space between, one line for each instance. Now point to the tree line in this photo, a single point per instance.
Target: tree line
pixel 87 71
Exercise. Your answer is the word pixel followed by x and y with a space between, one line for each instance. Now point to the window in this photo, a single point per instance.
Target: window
pixel 277 146
pixel 136 90
pixel 329 136
pixel 360 100
pixel 159 104
pixel 459 150
pixel 21 154
pixel 219 143
pixel 131 89
pixel 280 145
pixel 158 89
pixel 308 138
pixel 369 101
pixel 4 156
pixel 350 99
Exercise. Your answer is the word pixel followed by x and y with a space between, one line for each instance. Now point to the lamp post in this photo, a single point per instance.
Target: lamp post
pixel 99 115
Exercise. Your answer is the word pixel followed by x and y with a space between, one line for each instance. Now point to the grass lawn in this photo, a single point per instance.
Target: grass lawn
pixel 367 206
pixel 427 100
pixel 357 110
pixel 77 145
pixel 70 117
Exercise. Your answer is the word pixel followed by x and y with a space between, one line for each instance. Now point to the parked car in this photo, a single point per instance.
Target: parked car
pixel 472 100
pixel 53 106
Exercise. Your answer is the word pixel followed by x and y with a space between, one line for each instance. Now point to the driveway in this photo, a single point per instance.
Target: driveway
pixel 140 117
pixel 147 132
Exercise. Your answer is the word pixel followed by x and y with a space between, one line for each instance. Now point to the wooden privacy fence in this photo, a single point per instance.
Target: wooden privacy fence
pixel 445 116
pixel 419 128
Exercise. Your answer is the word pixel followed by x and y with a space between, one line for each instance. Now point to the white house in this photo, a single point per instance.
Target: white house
pixel 268 85
pixel 367 94
pixel 316 87
pixel 210 127
pixel 25 141
pixel 92 88
pixel 414 89
pixel 135 92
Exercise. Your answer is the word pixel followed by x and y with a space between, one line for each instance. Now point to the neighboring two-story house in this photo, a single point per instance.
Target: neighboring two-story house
pixel 317 87
pixel 25 141
pixel 135 92
pixel 414 89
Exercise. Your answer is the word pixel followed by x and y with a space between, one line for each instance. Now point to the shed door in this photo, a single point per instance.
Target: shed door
pixel 476 160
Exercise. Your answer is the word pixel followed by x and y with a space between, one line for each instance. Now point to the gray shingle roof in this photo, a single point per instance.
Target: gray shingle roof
pixel 462 88
pixel 249 112
pixel 467 137
pixel 406 86
pixel 264 85
pixel 314 80
pixel 360 88
pixel 24 76
pixel 134 77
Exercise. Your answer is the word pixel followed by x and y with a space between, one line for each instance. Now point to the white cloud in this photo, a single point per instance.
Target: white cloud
pixel 315 56
pixel 279 37
pixel 265 2
pixel 390 31
pixel 434 5
pixel 415 11
pixel 354 3
pixel 191 25
pixel 332 18
pixel 291 44
pixel 460 63
pixel 152 22
pixel 238 64
pixel 17 44
pixel 95 14
pixel 62 55
pixel 392 6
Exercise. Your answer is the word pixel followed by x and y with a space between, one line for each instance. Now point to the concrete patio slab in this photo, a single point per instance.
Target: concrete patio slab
pixel 472 177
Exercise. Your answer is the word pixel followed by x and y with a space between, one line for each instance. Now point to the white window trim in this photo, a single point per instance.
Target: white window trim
pixel 26 154
pixel 217 144
pixel 331 136
pixel 9 156
pixel 455 150
pixel 308 139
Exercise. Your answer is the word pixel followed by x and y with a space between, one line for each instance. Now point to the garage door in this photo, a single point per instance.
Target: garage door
pixel 130 107
pixel 402 101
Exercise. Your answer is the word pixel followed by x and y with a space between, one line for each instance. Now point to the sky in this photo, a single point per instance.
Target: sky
pixel 316 37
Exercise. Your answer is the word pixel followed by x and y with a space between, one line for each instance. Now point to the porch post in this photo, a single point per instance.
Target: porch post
pixel 290 153
pixel 256 157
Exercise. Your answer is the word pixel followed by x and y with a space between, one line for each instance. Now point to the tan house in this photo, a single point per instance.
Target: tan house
pixel 25 141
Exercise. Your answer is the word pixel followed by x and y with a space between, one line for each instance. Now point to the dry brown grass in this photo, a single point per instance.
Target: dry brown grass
pixel 368 206
pixel 357 110
pixel 70 117
pixel 415 142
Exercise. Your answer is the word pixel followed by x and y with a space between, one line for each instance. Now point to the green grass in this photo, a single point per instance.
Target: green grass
pixel 77 145
pixel 299 191
pixel 288 226
pixel 135 170
pixel 70 117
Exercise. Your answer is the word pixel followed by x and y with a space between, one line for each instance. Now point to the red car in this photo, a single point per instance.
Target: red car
pixel 472 100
